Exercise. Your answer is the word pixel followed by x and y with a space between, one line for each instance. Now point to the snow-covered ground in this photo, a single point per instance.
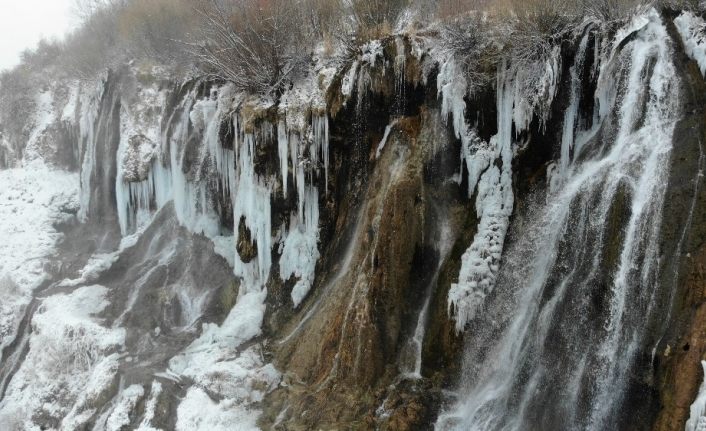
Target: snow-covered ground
pixel 72 361
pixel 32 198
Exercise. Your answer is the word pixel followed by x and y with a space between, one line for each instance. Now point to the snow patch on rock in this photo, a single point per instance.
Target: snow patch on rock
pixel 692 29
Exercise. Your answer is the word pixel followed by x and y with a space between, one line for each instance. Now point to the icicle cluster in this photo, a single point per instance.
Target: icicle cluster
pixel 299 249
pixel 489 166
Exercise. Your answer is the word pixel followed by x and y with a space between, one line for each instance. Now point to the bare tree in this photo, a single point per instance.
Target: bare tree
pixel 470 39
pixel 537 27
pixel 255 44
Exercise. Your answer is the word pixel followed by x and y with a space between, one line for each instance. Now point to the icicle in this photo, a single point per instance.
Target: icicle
pixel 480 263
pixel 571 114
pixel 90 109
pixel 400 71
pixel 300 252
pixel 283 151
pixel 383 142
pixel 252 202
pixel 320 144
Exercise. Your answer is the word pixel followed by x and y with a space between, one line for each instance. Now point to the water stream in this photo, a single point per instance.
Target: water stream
pixel 556 344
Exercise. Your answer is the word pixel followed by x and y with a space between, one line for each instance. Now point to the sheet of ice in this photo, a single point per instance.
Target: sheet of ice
pixel 697 411
pixel 692 29
pixel 90 103
pixel 32 198
pixel 101 262
pixel 300 249
pixel 383 141
pixel 214 361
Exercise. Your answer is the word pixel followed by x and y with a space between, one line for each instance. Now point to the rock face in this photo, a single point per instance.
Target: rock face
pixel 680 352
pixel 296 264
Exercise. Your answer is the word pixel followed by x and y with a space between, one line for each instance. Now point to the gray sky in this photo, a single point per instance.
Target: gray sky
pixel 24 22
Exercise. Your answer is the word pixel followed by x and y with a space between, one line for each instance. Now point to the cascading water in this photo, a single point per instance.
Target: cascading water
pixel 576 289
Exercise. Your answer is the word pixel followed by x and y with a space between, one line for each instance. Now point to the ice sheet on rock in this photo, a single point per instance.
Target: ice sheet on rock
pixel 494 202
pixel 349 80
pixel 697 411
pixel 371 51
pixel 383 141
pixel 90 103
pixel 692 29
pixel 70 362
pixel 252 203
pixel 100 262
pixel 300 250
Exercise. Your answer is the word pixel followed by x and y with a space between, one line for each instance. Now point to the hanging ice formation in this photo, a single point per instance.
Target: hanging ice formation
pixel 506 387
pixel 155 150
pixel 299 249
pixel 489 166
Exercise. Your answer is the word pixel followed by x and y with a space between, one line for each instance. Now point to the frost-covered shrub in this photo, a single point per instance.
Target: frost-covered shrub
pixel 537 27
pixel 258 46
pixel 376 16
pixel 613 12
pixel 471 40
pixel 690 5
pixel 17 104
pixel 453 8
pixel 155 29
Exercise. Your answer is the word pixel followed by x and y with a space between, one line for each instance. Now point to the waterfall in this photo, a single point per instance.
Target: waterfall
pixel 576 289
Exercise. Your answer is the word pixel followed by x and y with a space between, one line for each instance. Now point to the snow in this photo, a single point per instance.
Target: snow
pixel 697 415
pixel 151 407
pixel 198 412
pixel 126 402
pixel 32 198
pixel 44 117
pixel 692 29
pixel 70 361
pixel 371 51
pixel 214 361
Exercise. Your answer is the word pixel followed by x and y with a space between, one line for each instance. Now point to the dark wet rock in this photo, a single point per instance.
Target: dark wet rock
pixel 246 247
